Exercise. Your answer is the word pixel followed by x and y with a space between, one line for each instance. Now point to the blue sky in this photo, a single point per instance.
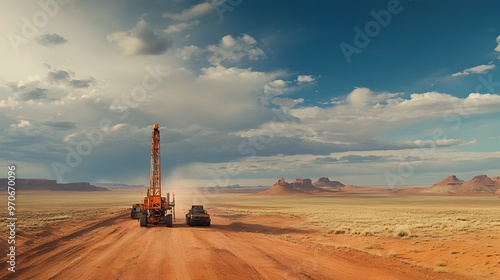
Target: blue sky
pixel 248 91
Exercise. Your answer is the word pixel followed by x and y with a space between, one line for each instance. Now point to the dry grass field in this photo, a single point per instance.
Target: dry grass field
pixel 36 209
pixel 376 215
pixel 440 233
pixel 459 234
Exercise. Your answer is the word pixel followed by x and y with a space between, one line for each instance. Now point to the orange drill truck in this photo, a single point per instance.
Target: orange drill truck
pixel 155 209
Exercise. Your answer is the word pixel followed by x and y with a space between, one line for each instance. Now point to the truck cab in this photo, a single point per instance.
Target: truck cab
pixel 197 216
pixel 136 212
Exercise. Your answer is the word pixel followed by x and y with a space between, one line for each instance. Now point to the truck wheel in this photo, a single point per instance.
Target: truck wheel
pixel 143 221
pixel 168 220
pixel 208 224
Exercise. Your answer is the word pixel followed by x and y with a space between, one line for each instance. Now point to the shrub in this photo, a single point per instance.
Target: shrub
pixel 402 231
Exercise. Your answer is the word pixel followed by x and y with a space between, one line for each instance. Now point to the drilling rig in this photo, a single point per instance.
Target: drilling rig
pixel 155 209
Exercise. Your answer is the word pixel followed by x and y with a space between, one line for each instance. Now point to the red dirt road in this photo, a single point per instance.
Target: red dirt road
pixel 117 248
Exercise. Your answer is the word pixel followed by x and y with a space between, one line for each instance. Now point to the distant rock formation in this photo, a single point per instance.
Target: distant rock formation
pixel 450 181
pixel 305 185
pixel 51 185
pixel 325 182
pixel 298 185
pixel 481 184
pixel 280 187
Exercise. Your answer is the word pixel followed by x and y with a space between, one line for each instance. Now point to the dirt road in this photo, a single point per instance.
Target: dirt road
pixel 117 248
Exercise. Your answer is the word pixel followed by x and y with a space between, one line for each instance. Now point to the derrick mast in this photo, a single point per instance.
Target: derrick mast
pixel 155 209
pixel 154 194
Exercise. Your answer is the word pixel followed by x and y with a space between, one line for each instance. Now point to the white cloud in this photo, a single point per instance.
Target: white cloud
pixel 9 102
pixel 498 44
pixel 361 97
pixel 188 52
pixel 368 114
pixel 70 138
pixel 190 13
pixel 68 78
pixel 275 87
pixel 219 97
pixel 178 27
pixel 480 69
pixel 50 39
pixel 287 103
pixel 141 40
pixel 56 87
pixel 232 49
pixel 335 101
pixel 220 72
pixel 305 79
pixel 441 142
pixel 228 50
pixel 280 87
pixel 22 123
pixel 119 126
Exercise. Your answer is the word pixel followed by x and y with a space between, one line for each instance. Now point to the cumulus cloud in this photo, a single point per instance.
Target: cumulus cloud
pixel 58 75
pixel 275 87
pixel 498 44
pixel 232 49
pixel 220 97
pixel 190 13
pixel 361 97
pixel 368 114
pixel 50 39
pixel 34 94
pixel 178 27
pixel 21 124
pixel 480 69
pixel 287 103
pixel 66 77
pixel 56 87
pixel 221 72
pixel 305 79
pixel 278 87
pixel 141 40
pixel 188 52
pixel 228 50
pixel 9 102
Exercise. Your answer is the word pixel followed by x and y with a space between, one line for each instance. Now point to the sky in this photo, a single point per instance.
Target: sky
pixel 245 92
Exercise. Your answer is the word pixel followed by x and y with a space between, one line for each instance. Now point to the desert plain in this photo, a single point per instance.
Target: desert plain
pixel 341 235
